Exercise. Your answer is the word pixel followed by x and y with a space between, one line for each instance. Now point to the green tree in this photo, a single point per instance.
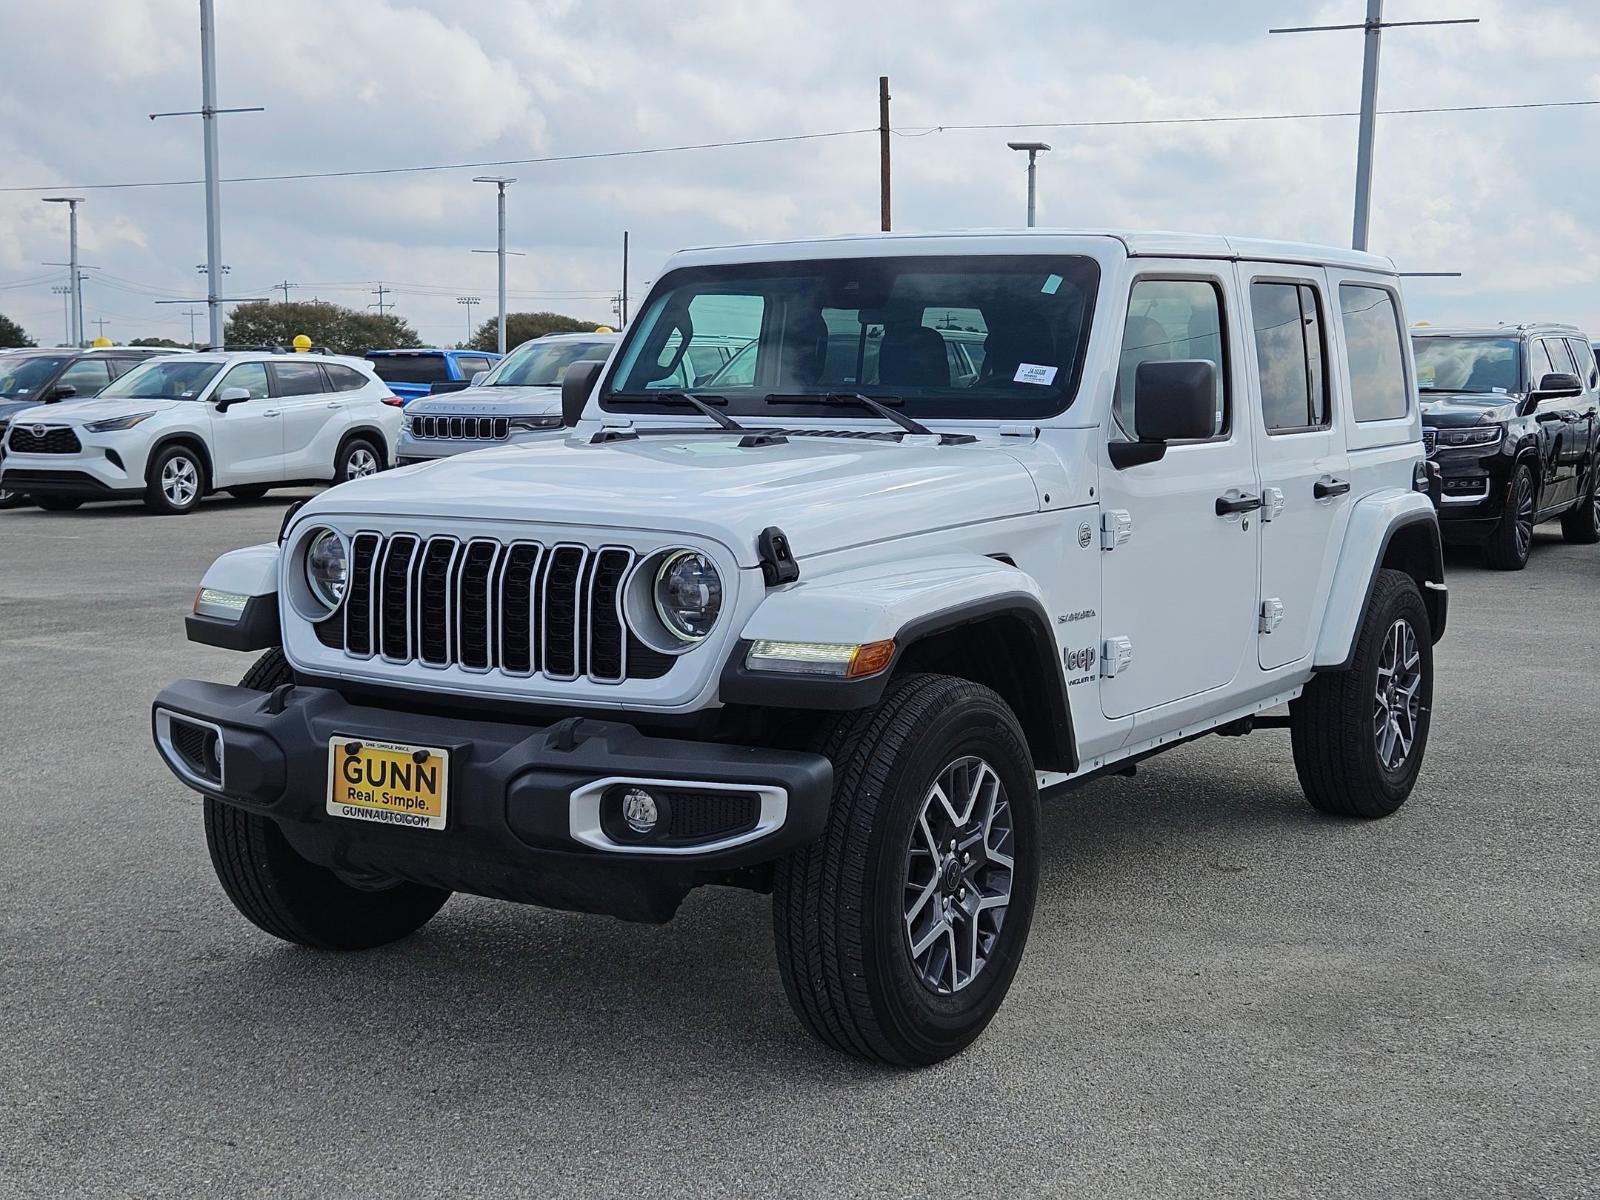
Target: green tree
pixel 520 327
pixel 159 341
pixel 331 327
pixel 12 334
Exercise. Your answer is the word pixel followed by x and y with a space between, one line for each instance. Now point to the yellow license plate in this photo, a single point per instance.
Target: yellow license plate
pixel 388 783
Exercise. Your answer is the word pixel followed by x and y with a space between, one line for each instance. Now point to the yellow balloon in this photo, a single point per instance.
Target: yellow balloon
pixel 301 343
pixel 101 342
pixel 604 329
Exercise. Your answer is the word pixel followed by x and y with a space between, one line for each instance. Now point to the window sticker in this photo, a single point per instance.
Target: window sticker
pixel 1051 285
pixel 1034 373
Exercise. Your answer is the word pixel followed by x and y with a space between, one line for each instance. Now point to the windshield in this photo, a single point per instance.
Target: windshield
pixel 180 379
pixel 1480 365
pixel 410 368
pixel 22 374
pixel 542 364
pixel 987 337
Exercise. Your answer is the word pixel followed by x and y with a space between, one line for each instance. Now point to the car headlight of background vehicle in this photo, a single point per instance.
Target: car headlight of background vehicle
pixel 1478 435
pixel 529 424
pixel 688 594
pixel 327 567
pixel 112 424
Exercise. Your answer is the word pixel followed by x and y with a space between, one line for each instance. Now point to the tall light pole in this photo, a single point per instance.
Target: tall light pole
pixel 500 183
pixel 72 203
pixel 469 301
pixel 1033 149
pixel 1373 27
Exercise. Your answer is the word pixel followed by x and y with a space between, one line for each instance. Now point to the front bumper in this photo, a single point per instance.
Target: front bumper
pixel 96 471
pixel 521 821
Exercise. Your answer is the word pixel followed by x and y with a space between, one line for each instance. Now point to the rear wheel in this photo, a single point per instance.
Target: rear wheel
pixel 175 481
pixel 291 898
pixel 1359 734
pixel 58 503
pixel 253 492
pixel 1581 524
pixel 1508 546
pixel 899 931
pixel 357 459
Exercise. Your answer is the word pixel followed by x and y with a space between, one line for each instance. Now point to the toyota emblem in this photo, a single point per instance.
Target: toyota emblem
pixel 38 431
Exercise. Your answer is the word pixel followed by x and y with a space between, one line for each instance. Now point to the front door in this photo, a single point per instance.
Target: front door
pixel 247 440
pixel 1305 471
pixel 1180 587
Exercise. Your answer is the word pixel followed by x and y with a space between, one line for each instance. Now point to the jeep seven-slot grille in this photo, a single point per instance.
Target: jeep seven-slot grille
pixel 492 429
pixel 523 608
pixel 55 439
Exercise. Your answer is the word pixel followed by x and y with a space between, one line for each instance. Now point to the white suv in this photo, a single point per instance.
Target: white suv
pixel 833 629
pixel 173 429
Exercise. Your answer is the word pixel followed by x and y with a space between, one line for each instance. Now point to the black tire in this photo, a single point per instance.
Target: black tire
pixel 1509 545
pixel 1333 725
pixel 839 905
pixel 354 458
pixel 174 481
pixel 285 895
pixel 1580 524
pixel 10 499
pixel 253 492
pixel 58 503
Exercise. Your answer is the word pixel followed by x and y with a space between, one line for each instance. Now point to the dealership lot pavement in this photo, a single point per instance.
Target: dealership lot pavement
pixel 1225 993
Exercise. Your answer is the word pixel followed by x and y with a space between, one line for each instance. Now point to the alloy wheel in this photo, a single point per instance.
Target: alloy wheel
pixel 958 875
pixel 1398 708
pixel 180 481
pixel 1523 509
pixel 361 463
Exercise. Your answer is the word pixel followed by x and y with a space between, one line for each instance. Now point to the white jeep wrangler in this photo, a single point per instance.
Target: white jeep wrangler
pixel 981 517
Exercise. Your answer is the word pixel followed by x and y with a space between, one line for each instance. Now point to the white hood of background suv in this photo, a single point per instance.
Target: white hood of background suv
pixel 825 493
pixel 490 402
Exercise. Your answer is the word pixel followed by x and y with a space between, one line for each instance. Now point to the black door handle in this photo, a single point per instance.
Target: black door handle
pixel 1329 486
pixel 1242 502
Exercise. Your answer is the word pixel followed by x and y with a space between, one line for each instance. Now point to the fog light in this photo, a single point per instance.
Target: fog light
pixel 639 810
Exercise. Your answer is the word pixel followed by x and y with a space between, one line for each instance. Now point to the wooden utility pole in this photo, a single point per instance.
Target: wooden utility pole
pixel 883 150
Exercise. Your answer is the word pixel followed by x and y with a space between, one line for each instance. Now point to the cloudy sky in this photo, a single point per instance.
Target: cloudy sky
pixel 1507 198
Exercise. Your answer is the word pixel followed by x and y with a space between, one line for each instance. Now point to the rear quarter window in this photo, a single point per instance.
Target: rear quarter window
pixel 1379 390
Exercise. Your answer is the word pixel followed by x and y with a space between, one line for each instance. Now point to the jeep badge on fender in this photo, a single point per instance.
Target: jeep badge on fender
pixel 796 602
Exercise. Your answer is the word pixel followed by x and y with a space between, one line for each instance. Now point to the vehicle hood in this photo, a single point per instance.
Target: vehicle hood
pixel 825 493
pixel 81 412
pixel 490 402
pixel 1452 409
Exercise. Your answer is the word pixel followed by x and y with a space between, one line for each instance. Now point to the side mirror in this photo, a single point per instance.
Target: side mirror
pixel 448 385
pixel 60 392
pixel 576 385
pixel 1558 384
pixel 477 378
pixel 1172 402
pixel 228 397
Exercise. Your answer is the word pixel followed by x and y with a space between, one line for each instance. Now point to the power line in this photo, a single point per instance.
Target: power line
pixel 461 166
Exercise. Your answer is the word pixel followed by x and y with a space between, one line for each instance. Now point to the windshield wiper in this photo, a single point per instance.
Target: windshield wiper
pixel 877 406
pixel 702 402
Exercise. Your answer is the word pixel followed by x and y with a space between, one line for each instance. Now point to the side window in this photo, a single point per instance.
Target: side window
pixel 1373 355
pixel 1291 356
pixel 1170 319
pixel 1561 357
pixel 343 378
pixel 297 379
pixel 87 375
pixel 251 376
pixel 1584 354
pixel 470 365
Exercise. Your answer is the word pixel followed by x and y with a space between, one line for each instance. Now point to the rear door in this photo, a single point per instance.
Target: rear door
pixel 247 440
pixel 308 405
pixel 1305 470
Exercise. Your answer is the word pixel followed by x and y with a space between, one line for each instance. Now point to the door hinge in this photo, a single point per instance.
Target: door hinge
pixel 1271 503
pixel 1116 527
pixel 1271 614
pixel 1116 656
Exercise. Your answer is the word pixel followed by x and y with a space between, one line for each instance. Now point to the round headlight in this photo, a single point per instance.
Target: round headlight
pixel 688 594
pixel 327 567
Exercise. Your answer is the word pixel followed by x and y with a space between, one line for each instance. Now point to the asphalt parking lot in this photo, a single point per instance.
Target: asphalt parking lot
pixel 1225 993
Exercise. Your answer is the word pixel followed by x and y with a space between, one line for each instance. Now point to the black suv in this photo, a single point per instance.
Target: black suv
pixel 30 377
pixel 1511 415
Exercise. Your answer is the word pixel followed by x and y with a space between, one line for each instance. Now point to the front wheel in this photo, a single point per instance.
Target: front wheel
pixel 357 459
pixel 899 931
pixel 11 499
pixel 175 481
pixel 1508 546
pixel 1359 734
pixel 292 898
